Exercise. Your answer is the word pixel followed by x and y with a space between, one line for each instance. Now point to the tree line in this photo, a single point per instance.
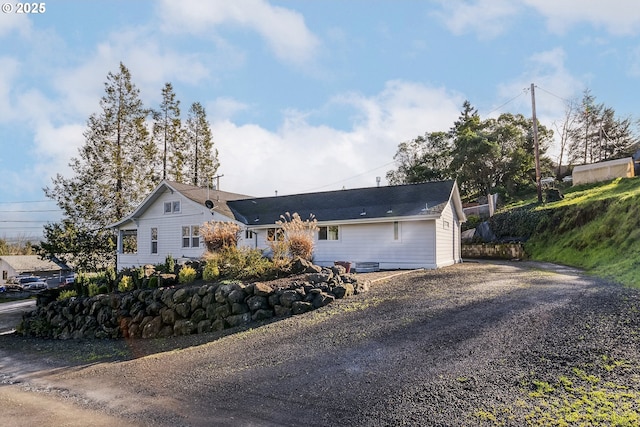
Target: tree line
pixel 128 150
pixel 496 155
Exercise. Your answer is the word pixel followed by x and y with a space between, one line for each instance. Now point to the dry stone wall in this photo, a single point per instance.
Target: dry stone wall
pixel 172 311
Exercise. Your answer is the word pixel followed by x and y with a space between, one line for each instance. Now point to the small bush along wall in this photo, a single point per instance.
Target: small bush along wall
pixel 172 311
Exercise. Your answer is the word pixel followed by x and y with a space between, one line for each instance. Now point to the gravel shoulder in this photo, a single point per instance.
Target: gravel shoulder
pixel 473 344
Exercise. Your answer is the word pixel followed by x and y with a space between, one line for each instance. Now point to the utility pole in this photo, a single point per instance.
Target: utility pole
pixel 535 142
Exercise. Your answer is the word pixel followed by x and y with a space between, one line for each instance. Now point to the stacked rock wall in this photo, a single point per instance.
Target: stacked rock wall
pixel 172 311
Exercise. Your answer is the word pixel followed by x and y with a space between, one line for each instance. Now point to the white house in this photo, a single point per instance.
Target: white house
pixel 167 222
pixel 402 226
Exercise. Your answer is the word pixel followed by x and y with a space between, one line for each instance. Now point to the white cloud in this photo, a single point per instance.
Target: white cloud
pixel 555 87
pixel 10 22
pixel 302 157
pixel 619 17
pixel 224 108
pixel 10 69
pixel 55 146
pixel 283 30
pixel 487 18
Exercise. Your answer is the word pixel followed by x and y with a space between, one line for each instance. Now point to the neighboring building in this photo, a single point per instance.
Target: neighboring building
pixel 167 223
pixel 603 171
pixel 403 226
pixel 15 265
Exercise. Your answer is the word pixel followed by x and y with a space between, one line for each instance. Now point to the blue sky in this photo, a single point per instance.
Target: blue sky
pixel 301 95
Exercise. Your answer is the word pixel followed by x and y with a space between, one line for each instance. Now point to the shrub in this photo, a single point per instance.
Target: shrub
pixel 243 264
pixel 186 275
pixel 169 264
pixel 153 281
pixel 298 234
pixel 126 284
pixel 218 235
pixel 67 294
pixel 93 289
pixel 211 270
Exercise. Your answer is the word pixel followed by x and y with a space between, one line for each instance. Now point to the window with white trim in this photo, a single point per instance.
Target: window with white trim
pixel 331 232
pixel 172 207
pixel 129 240
pixel 191 236
pixel 154 240
pixel 396 230
pixel 274 234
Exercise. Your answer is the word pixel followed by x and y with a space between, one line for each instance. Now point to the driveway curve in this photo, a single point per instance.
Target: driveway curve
pixel 473 344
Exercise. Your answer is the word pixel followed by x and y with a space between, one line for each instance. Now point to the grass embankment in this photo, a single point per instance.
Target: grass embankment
pixel 595 227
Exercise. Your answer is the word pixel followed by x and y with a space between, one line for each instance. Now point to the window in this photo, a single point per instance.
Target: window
pixel 191 236
pixel 248 234
pixel 154 240
pixel 275 233
pixel 396 230
pixel 172 207
pixel 129 240
pixel 328 233
pixel 195 236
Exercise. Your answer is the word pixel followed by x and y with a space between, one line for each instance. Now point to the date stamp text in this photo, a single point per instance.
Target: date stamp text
pixel 24 8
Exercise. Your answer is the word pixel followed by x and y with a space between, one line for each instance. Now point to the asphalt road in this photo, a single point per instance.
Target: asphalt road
pixel 11 313
pixel 465 345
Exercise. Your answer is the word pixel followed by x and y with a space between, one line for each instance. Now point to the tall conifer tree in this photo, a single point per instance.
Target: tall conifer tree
pixel 112 174
pixel 203 158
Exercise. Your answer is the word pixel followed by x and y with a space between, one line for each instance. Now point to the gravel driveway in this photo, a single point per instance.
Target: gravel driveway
pixel 473 344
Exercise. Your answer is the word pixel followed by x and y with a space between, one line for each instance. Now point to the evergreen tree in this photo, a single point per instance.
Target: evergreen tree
pixel 598 134
pixel 203 158
pixel 169 137
pixel 113 173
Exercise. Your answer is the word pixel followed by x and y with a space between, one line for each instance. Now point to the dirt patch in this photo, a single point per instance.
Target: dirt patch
pixel 472 344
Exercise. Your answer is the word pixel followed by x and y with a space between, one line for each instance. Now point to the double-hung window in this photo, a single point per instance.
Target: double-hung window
pixel 191 236
pixel 330 232
pixel 154 240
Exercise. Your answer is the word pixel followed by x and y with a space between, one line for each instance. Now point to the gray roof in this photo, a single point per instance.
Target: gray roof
pixel 191 192
pixel 29 263
pixel 428 198
pixel 201 195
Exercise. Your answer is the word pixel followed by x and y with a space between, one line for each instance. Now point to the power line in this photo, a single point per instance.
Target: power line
pixel 35 210
pixel 508 102
pixel 28 201
pixel 352 177
pixel 553 94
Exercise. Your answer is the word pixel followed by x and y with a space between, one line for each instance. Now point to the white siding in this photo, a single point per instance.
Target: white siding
pixel 375 243
pixel 448 237
pixel 169 227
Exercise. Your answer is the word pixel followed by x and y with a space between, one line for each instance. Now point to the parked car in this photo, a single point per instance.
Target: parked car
pixel 34 286
pixel 32 283
pixel 3 288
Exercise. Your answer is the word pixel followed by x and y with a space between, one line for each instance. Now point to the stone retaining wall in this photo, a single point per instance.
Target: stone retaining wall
pixel 171 311
pixel 494 250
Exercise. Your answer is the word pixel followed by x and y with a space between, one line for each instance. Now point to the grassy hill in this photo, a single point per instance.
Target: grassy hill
pixel 595 227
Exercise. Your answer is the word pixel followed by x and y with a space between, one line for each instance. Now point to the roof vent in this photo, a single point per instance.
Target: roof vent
pixel 363 213
pixel 426 207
